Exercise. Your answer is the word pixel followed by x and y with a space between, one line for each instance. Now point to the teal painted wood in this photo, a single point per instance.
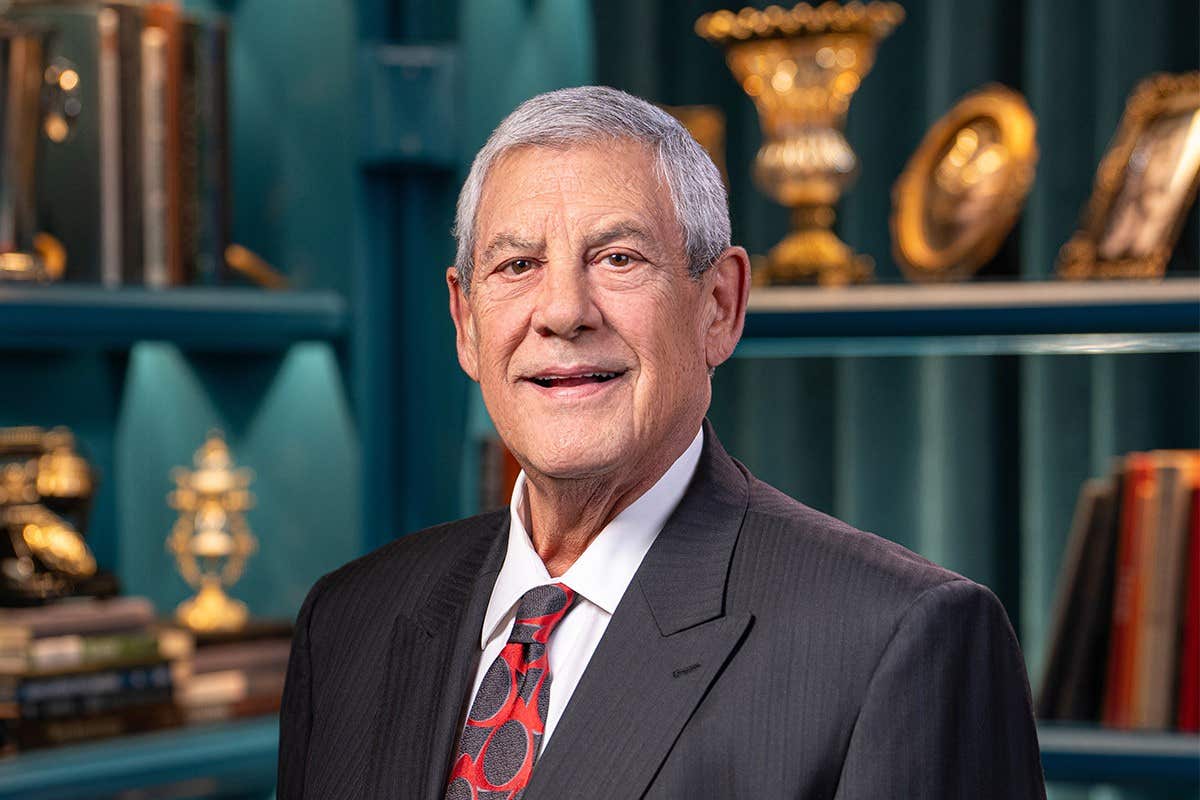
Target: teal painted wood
pixel 240 320
pixel 411 105
pixel 1166 761
pixel 215 760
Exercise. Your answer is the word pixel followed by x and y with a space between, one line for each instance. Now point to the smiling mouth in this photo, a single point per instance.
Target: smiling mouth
pixel 565 381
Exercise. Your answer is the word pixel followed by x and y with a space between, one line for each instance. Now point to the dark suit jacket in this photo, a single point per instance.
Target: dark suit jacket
pixel 763 650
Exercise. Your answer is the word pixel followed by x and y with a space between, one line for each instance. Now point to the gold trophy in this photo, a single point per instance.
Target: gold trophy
pixel 801 67
pixel 210 540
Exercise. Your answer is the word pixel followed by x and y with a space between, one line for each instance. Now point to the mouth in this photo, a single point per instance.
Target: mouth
pixel 573 378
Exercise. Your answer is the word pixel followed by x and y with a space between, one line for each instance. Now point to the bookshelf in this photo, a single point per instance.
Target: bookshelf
pixel 345 175
pixel 1010 318
pixel 236 759
pixel 229 319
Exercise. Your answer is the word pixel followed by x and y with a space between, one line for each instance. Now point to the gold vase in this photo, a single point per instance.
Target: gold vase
pixel 801 67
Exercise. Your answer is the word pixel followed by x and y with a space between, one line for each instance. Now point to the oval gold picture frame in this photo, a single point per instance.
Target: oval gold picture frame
pixel 964 187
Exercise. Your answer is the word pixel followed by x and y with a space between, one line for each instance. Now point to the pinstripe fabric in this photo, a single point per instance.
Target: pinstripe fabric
pixel 777 653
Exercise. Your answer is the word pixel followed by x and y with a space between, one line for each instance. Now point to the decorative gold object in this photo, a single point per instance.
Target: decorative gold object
pixel 1144 186
pixel 963 189
pixel 210 540
pixel 801 67
pixel 46 490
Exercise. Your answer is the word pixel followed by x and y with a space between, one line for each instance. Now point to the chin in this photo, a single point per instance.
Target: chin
pixel 577 452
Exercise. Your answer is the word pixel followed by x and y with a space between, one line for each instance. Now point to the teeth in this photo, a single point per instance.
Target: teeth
pixel 552 378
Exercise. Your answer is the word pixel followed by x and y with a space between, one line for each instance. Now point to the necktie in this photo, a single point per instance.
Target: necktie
pixel 508 715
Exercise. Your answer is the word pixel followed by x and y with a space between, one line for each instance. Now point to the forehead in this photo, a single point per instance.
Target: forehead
pixel 532 189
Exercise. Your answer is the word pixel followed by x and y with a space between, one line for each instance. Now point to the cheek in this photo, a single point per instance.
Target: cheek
pixel 499 331
pixel 672 355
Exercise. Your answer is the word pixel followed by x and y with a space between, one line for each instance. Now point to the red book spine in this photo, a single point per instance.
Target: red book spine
pixel 1189 651
pixel 1118 688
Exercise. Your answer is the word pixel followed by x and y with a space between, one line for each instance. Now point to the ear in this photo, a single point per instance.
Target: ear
pixel 464 325
pixel 727 284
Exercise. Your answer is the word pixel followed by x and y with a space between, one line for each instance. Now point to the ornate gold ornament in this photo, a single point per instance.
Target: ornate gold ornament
pixel 1144 185
pixel 210 540
pixel 801 67
pixel 963 189
pixel 46 490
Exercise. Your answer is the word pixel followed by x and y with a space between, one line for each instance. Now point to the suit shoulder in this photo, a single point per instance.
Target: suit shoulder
pixel 397 573
pixel 817 550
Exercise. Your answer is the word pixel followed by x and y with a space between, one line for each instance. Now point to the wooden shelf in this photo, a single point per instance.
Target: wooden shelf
pixel 1076 754
pixel 229 319
pixel 188 762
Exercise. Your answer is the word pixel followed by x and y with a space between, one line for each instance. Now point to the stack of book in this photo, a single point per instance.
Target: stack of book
pixel 1125 637
pixel 135 185
pixel 84 669
pixel 237 675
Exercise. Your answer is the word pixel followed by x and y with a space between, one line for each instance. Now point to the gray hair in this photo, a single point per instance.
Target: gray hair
pixel 586 114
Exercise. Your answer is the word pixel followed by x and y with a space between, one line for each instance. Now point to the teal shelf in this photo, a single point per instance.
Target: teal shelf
pixel 214 760
pixel 1013 318
pixel 1073 754
pixel 227 319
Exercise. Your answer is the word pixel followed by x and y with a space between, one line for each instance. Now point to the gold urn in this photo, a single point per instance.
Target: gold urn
pixel 801 67
pixel 211 541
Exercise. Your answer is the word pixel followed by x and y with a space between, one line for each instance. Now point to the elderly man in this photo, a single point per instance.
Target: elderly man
pixel 646 619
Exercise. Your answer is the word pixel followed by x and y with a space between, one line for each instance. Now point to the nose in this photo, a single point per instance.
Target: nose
pixel 565 307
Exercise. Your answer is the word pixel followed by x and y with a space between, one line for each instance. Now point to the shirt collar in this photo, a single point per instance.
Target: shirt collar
pixel 604 570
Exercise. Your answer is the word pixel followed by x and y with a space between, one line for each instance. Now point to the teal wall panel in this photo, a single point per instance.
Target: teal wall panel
pixel 293 65
pixel 291 426
pixel 80 390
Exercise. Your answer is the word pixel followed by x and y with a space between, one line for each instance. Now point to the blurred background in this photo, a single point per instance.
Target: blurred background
pixel 223 234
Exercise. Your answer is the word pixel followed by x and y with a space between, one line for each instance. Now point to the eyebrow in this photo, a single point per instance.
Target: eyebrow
pixel 622 230
pixel 509 241
pixel 512 241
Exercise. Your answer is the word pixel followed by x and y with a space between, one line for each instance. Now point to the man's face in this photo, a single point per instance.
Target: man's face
pixel 589 340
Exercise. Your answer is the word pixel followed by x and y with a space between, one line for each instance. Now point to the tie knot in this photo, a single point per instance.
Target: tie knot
pixel 539 610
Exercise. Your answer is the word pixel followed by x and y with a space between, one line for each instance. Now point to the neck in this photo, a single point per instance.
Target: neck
pixel 564 515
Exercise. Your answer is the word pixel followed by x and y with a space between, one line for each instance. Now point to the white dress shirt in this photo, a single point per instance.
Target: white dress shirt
pixel 599 576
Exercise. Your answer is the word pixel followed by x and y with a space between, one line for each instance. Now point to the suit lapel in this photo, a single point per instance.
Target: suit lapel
pixel 432 657
pixel 665 645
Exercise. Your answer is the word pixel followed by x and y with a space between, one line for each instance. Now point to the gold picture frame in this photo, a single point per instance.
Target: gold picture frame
pixel 964 187
pixel 1144 187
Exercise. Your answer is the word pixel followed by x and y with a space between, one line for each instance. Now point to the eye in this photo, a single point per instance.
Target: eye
pixel 617 259
pixel 518 266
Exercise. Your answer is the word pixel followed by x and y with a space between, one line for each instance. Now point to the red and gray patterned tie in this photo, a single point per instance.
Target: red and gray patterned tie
pixel 504 728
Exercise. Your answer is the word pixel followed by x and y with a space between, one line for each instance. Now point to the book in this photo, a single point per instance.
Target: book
pixel 1158 651
pixel 29 697
pixel 268 653
pixel 74 653
pixel 1136 500
pixel 74 616
pixel 81 178
pixel 227 686
pixel 24 734
pixel 155 191
pixel 166 94
pixel 1087 562
pixel 252 706
pixel 213 172
pixel 1188 712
